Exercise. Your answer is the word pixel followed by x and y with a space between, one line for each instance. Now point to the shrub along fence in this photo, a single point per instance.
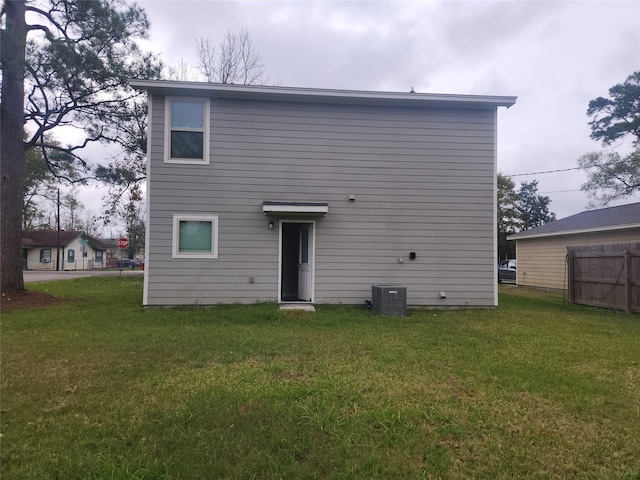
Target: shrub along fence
pixel 605 276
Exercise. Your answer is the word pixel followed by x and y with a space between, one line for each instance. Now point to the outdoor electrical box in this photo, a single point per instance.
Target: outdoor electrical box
pixel 389 300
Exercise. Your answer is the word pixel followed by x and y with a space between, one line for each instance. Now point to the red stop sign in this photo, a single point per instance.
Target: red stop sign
pixel 123 243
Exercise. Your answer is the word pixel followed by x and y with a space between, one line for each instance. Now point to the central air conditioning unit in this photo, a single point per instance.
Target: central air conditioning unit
pixel 390 300
pixel 46 260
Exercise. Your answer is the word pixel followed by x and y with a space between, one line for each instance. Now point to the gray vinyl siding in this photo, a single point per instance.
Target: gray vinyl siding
pixel 423 181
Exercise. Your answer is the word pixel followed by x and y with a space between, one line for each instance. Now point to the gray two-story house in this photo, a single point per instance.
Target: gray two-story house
pixel 306 195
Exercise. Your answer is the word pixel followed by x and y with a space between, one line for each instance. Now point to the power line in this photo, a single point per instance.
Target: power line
pixel 560 191
pixel 548 171
pixel 609 164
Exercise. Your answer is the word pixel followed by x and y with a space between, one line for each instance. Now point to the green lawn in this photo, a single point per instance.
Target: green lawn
pixel 99 388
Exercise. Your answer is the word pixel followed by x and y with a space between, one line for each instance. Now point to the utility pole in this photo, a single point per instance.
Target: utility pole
pixel 58 239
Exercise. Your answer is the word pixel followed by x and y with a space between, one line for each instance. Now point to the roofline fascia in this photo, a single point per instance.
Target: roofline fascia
pixel 627 226
pixel 318 95
pixel 61 245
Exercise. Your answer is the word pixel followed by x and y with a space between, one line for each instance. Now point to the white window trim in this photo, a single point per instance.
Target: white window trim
pixel 195 218
pixel 167 131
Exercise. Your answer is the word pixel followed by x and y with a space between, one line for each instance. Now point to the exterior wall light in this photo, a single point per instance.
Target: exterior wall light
pixel 271 225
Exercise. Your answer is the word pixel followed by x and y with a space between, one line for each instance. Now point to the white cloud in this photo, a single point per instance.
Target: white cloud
pixel 555 56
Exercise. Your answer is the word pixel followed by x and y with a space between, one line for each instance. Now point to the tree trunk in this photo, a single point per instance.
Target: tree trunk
pixel 12 50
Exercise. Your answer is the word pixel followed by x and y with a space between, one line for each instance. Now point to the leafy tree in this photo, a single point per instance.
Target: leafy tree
pixel 36 184
pixel 613 176
pixel 73 209
pixel 519 210
pixel 533 209
pixel 41 185
pixel 508 220
pixel 90 225
pixel 39 188
pixel 135 234
pixel 126 206
pixel 124 176
pixel 67 68
pixel 619 115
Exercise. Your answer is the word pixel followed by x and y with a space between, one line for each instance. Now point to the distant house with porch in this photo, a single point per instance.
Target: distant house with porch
pixel 542 251
pixel 74 250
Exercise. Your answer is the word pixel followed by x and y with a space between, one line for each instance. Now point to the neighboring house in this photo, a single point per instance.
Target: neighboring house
pixel 75 250
pixel 542 251
pixel 114 254
pixel 288 194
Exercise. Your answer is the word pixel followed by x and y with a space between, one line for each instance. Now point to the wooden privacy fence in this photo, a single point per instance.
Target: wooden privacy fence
pixel 605 276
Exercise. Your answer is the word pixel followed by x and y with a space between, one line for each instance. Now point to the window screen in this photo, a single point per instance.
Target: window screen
pixel 195 236
pixel 187 129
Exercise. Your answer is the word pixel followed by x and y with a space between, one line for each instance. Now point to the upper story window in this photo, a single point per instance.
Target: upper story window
pixel 187 130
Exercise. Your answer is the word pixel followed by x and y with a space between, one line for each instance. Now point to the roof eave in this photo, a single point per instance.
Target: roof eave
pixel 316 95
pixel 525 236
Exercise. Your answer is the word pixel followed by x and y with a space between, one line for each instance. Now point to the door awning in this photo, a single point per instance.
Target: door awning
pixel 295 208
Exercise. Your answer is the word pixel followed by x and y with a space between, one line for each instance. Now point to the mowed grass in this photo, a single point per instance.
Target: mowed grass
pixel 99 388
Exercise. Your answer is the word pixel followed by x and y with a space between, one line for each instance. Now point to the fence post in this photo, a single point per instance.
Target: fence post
pixel 627 280
pixel 570 288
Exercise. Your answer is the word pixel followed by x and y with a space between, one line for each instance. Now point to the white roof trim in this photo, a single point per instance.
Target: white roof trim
pixel 609 228
pixel 259 92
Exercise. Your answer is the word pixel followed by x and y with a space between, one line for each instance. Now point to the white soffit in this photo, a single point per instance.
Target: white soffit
pixel 295 208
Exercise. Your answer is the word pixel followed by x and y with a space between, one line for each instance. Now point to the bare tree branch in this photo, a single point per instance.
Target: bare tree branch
pixel 206 54
pixel 233 61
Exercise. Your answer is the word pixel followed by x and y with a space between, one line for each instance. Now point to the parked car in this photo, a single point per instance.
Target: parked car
pixel 507 271
pixel 127 263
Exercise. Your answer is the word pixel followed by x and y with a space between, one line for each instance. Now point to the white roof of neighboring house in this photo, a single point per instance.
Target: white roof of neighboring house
pixel 604 219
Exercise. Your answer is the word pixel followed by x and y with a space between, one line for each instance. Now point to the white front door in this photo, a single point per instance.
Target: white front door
pixel 305 263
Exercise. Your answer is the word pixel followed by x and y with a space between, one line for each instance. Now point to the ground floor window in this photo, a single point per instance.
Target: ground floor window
pixel 45 255
pixel 71 256
pixel 195 236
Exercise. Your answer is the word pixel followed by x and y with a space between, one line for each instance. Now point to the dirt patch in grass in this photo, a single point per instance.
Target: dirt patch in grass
pixel 27 299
